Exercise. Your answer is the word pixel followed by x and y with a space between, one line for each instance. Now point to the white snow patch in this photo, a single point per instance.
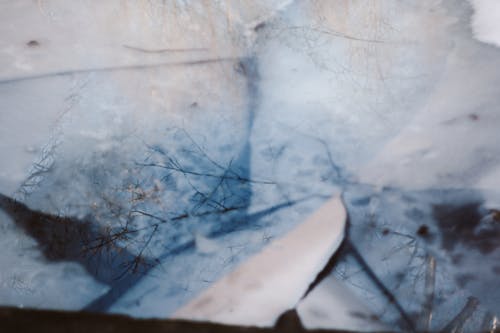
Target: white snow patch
pixel 486 21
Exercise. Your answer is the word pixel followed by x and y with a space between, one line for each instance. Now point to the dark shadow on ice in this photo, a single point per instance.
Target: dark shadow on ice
pixel 465 224
pixel 62 238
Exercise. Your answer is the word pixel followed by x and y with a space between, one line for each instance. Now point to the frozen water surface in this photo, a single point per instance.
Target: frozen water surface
pixel 152 146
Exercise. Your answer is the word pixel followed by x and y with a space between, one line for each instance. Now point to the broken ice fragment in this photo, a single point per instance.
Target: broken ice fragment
pixel 274 281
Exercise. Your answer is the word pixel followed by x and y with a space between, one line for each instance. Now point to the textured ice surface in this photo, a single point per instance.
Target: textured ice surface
pixel 195 132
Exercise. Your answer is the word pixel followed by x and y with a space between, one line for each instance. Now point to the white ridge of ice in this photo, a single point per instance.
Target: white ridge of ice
pixel 274 281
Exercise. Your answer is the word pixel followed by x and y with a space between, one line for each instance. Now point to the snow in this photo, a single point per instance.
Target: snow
pixel 486 21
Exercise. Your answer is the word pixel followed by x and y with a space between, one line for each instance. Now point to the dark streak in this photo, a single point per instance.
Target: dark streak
pixel 473 117
pixel 259 26
pixel 70 239
pixel 33 43
pixel 423 231
pixel 140 49
pixel 117 69
pixel 410 326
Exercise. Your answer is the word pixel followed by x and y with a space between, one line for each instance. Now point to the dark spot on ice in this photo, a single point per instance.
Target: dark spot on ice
pixel 361 201
pixel 461 224
pixel 385 232
pixel 193 105
pixel 259 26
pixel 473 117
pixel 463 279
pixel 399 276
pixel 239 67
pixel 247 67
pixel 423 231
pixel 33 43
pixel 496 270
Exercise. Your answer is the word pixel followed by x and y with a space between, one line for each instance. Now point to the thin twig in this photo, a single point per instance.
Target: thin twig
pixel 177 168
pixel 430 282
pixel 105 301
